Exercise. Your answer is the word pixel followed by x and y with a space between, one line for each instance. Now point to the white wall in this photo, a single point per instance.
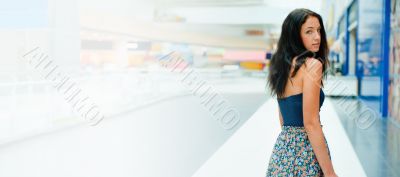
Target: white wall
pixel 58 36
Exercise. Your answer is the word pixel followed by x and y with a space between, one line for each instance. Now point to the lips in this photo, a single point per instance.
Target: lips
pixel 315 45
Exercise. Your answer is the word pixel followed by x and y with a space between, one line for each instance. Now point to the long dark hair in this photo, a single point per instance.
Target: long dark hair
pixel 290 46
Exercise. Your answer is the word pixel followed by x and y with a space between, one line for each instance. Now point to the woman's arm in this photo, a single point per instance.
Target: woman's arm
pixel 311 93
pixel 280 117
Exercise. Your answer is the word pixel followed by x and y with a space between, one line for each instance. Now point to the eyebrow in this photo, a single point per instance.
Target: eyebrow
pixel 319 27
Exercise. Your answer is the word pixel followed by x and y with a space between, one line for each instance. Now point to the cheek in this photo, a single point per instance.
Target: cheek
pixel 306 41
pixel 309 42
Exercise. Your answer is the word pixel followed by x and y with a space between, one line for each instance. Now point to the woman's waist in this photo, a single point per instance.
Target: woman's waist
pixel 296 121
pixel 292 128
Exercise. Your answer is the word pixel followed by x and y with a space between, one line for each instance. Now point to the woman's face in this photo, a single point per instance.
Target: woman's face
pixel 310 34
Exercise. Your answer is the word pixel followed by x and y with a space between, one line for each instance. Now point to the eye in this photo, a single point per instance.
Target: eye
pixel 308 32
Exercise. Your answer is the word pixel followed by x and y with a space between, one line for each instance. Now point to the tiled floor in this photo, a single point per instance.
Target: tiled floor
pixel 169 138
pixel 376 140
pixel 247 152
pixel 166 140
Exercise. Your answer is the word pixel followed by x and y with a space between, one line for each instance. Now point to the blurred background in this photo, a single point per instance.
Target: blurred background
pixel 178 88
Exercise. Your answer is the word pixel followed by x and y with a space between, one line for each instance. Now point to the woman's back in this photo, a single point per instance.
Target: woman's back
pixel 291 106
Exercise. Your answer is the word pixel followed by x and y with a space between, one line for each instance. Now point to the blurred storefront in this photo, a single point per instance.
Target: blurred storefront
pixel 394 53
pixel 361 49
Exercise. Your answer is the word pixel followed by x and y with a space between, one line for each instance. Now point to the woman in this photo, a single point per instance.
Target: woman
pixel 295 77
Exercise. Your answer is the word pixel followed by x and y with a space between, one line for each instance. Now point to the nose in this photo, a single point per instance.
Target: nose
pixel 317 37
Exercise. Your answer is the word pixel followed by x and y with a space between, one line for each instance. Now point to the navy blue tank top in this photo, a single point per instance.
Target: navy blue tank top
pixel 292 108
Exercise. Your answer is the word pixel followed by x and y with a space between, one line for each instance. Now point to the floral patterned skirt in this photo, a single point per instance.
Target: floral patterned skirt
pixel 293 155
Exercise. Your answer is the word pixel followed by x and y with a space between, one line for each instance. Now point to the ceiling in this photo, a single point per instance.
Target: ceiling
pixel 239 21
pixel 208 3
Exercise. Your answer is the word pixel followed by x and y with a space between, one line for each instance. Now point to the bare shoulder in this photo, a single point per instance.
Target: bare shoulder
pixel 312 69
pixel 312 65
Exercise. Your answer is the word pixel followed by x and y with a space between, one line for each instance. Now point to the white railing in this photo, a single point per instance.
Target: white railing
pixel 32 107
